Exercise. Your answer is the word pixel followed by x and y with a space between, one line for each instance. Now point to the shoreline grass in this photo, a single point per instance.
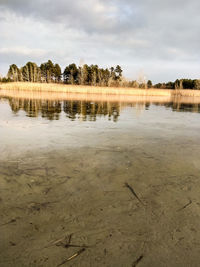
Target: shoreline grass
pixel 80 89
pixel 64 88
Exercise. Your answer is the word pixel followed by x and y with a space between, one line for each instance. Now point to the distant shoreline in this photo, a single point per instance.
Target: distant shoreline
pixel 97 90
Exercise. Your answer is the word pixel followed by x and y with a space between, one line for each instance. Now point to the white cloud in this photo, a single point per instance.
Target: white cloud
pixel 148 34
pixel 24 51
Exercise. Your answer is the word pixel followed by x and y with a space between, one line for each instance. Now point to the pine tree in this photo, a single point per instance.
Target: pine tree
pixel 57 73
pixel 13 73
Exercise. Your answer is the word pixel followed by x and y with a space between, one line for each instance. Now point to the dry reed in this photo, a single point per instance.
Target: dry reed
pixel 53 87
pixel 79 89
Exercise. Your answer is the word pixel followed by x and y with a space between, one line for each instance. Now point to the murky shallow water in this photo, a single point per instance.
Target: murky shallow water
pixel 63 169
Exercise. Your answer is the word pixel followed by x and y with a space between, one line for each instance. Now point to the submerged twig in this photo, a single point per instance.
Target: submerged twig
pixel 137 261
pixel 74 246
pixel 189 203
pixel 29 186
pixel 68 244
pixel 58 242
pixel 133 192
pixel 72 257
pixel 65 242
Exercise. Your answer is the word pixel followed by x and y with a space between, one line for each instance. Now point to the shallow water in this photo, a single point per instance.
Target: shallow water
pixel 63 169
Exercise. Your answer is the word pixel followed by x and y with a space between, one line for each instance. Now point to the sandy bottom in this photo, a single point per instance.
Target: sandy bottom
pixel 72 204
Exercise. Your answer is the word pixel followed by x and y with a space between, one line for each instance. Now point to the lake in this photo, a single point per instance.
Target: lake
pixel 99 181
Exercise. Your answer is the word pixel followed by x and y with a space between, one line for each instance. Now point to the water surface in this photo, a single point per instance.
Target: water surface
pixel 63 168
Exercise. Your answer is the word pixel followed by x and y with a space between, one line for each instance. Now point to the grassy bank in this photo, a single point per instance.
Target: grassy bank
pixel 82 97
pixel 63 88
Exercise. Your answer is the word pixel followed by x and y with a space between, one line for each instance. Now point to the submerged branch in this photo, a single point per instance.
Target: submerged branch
pixel 72 257
pixel 185 206
pixel 137 261
pixel 133 192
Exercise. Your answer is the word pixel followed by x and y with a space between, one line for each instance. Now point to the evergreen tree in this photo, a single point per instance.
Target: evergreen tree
pixel 50 71
pixel 197 84
pixel 47 72
pixel 149 84
pixel 94 75
pixel 85 75
pixel 13 73
pixel 57 73
pixel 25 73
pixel 70 74
pixel 118 72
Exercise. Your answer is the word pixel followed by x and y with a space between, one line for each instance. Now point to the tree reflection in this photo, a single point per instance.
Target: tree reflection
pixel 181 107
pixel 82 110
pixel 34 108
pixel 89 110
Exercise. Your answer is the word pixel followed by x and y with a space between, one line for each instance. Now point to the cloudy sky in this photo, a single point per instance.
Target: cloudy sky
pixel 159 38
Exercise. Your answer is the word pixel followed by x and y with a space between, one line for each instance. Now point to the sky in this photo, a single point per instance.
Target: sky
pixel 156 38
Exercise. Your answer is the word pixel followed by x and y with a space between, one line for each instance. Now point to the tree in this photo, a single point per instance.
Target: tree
pixel 94 74
pixel 50 71
pixel 43 72
pixel 158 85
pixel 197 84
pixel 170 85
pixel 149 84
pixel 47 71
pixel 101 76
pixel 188 83
pixel 112 73
pixel 70 74
pixel 13 73
pixel 57 73
pixel 20 75
pixel 106 77
pixel 25 73
pixel 178 84
pixel 31 72
pixel 118 72
pixel 85 74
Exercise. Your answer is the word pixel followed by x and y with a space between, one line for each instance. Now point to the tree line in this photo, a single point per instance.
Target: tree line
pixel 180 84
pixel 49 72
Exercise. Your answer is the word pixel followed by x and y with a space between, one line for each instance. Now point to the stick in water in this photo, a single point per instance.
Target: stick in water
pixel 133 192
pixel 137 261
pixel 190 202
pixel 72 257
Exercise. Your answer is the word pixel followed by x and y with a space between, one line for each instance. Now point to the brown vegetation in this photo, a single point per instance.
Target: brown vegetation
pixel 53 87
pixel 120 91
